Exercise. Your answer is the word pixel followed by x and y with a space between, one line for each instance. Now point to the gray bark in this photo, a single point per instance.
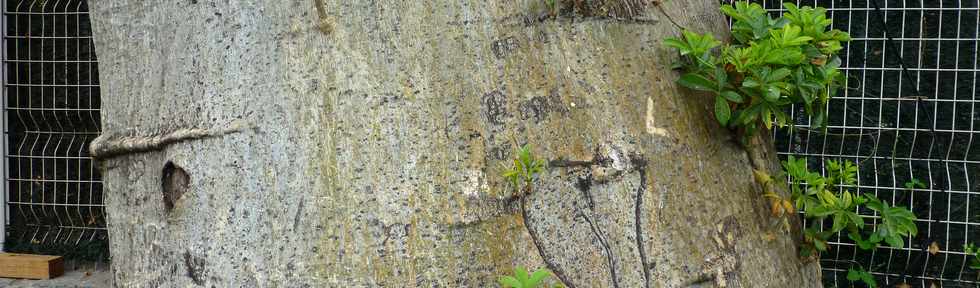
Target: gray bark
pixel 358 143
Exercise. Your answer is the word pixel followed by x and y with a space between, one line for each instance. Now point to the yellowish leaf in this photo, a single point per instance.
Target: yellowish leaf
pixel 934 248
pixel 777 208
pixel 769 237
pixel 903 285
pixel 762 177
pixel 770 194
pixel 788 206
pixel 819 61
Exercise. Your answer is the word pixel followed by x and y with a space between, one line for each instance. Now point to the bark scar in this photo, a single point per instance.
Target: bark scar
pixel 323 23
pixel 722 268
pixel 195 268
pixel 107 146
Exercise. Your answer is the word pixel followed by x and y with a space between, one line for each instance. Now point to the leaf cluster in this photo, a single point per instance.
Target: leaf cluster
pixel 822 197
pixel 915 183
pixel 524 169
pixel 972 252
pixel 521 279
pixel 859 274
pixel 771 64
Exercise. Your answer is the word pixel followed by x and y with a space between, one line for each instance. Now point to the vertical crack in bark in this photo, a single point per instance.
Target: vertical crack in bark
pixel 610 259
pixel 638 215
pixel 548 259
pixel 299 214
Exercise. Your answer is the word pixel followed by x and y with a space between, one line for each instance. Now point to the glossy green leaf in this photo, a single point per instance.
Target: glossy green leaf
pixel 840 221
pixel 696 82
pixel 722 111
pixel 772 94
pixel 895 241
pixel 856 219
pixel 678 44
pixel 732 96
pixel 779 74
pixel 863 276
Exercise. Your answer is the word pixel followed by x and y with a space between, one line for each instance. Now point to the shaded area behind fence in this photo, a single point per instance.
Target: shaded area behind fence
pixel 51 94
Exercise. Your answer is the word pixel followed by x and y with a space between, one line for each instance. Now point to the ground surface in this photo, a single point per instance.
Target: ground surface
pixel 76 275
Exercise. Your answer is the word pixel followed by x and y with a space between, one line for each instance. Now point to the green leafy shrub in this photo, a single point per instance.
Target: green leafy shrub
pixel 973 253
pixel 915 183
pixel 521 279
pixel 821 197
pixel 526 166
pixel 859 274
pixel 771 63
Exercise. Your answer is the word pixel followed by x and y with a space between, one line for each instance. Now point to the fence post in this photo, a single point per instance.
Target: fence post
pixel 3 123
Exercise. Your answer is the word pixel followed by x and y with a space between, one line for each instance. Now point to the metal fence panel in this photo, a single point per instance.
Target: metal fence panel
pixel 909 112
pixel 51 92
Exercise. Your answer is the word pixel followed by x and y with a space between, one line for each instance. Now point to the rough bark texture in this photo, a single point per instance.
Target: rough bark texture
pixel 368 138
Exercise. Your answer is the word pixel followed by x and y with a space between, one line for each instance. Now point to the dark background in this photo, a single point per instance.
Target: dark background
pixel 54 193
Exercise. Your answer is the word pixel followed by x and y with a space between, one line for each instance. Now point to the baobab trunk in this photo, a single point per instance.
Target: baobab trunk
pixel 345 143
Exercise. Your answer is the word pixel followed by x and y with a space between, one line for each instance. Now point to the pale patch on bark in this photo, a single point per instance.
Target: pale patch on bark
pixel 475 183
pixel 651 125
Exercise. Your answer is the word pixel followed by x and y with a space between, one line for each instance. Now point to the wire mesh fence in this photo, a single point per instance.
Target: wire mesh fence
pixel 51 94
pixel 909 112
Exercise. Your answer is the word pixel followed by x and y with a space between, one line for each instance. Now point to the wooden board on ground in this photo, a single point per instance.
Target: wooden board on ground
pixel 13 265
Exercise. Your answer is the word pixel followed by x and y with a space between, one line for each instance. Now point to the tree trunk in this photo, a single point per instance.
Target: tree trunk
pixel 359 143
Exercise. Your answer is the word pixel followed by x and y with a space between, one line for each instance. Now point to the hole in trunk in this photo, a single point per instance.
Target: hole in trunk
pixel 174 184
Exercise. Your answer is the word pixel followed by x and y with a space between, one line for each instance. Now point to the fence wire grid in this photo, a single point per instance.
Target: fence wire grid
pixel 909 112
pixel 51 103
